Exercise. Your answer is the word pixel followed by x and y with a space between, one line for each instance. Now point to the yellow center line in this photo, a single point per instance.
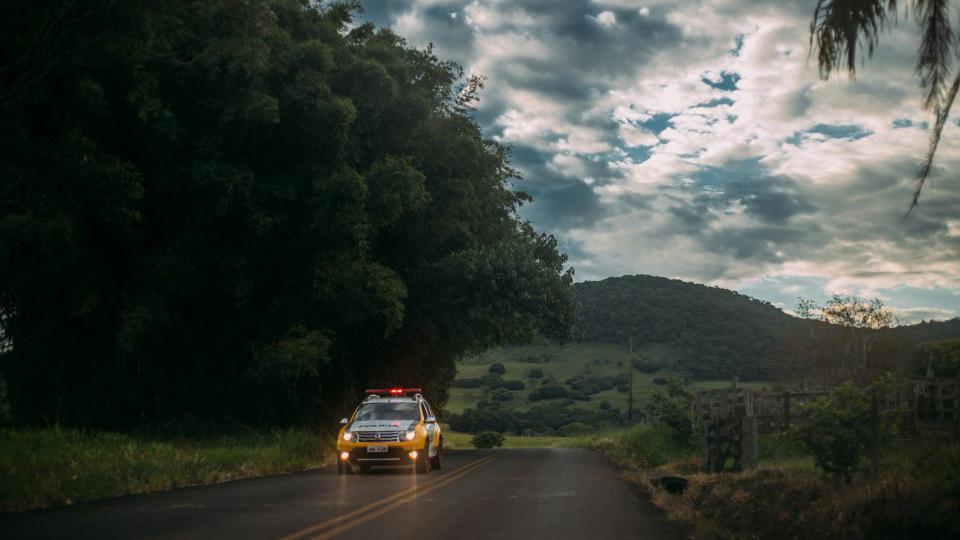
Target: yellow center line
pixel 376 513
pixel 372 506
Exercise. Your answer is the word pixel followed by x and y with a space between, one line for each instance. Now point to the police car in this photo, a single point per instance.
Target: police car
pixel 392 427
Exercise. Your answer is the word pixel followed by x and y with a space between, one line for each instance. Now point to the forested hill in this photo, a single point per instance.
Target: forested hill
pixel 714 332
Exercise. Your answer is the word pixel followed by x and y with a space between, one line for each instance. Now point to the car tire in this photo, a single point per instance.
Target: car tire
pixel 422 464
pixel 435 462
pixel 341 467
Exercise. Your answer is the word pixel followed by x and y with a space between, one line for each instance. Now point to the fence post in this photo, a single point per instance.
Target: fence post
pixel 874 432
pixel 748 448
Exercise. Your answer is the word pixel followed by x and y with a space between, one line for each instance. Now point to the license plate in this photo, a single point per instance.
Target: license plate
pixel 373 449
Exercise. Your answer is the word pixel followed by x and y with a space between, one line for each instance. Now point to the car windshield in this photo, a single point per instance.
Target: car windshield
pixel 387 411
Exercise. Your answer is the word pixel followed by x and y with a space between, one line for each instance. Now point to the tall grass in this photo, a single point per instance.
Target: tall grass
pixel 642 446
pixel 54 467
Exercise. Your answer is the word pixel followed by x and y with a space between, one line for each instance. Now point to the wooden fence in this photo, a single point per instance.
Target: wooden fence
pixel 733 417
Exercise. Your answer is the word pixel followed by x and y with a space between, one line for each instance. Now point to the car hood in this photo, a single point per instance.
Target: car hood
pixel 381 425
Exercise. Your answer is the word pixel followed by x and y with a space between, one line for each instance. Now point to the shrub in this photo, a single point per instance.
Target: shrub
pixel 623 388
pixel 514 385
pixel 487 439
pixel 836 428
pixel 590 389
pixel 535 373
pixel 672 409
pixel 497 368
pixel 660 381
pixel 493 380
pixel 535 396
pixel 576 428
pixel 501 394
pixel 552 392
pixel 645 364
pixel 604 405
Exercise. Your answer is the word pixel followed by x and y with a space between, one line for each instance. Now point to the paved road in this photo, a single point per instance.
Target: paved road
pixel 512 494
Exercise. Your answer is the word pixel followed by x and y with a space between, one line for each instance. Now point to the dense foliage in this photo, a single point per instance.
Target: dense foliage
pixel 940 358
pixel 246 210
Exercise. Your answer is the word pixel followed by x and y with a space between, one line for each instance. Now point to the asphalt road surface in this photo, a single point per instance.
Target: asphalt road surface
pixel 554 493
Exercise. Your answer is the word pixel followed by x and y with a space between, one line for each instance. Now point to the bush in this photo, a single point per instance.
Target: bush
pixel 624 388
pixel 493 380
pixel 535 396
pixel 468 383
pixel 645 364
pixel 660 381
pixel 487 439
pixel 604 405
pixel 497 368
pixel 552 392
pixel 672 409
pixel 576 428
pixel 535 373
pixel 514 385
pixel 501 394
pixel 836 428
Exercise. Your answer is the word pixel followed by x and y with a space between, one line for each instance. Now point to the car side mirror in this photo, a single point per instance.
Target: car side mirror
pixel 431 419
pixel 343 421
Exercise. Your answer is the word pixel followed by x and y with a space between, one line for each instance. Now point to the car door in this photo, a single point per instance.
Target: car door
pixel 431 427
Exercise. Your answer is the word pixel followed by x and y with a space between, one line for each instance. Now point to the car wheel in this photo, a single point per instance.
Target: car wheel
pixel 341 467
pixel 422 464
pixel 435 462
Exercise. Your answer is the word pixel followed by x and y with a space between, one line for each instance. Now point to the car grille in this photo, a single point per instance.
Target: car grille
pixel 379 436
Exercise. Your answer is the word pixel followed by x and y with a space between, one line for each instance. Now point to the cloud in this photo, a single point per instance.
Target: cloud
pixel 696 140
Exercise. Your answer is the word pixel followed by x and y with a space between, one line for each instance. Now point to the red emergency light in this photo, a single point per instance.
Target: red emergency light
pixel 392 391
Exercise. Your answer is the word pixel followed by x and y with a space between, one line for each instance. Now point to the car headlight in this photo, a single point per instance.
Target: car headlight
pixel 347 436
pixel 411 435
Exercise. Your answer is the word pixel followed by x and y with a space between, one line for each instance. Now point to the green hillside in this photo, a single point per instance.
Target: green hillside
pixel 703 334
pixel 713 332
pixel 562 363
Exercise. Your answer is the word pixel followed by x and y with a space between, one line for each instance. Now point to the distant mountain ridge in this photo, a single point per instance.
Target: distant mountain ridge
pixel 716 332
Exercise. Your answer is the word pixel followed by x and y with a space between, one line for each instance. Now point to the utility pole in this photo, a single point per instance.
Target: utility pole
pixel 630 395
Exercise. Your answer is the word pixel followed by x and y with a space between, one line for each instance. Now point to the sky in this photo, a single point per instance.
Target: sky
pixel 695 140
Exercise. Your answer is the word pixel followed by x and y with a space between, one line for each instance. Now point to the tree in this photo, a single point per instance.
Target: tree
pixel 246 212
pixel 848 339
pixel 942 358
pixel 841 29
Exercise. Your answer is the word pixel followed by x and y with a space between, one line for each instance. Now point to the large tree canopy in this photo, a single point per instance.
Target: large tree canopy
pixel 245 210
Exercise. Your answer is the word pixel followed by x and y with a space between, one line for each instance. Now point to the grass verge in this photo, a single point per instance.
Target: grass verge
pixel 916 494
pixel 50 467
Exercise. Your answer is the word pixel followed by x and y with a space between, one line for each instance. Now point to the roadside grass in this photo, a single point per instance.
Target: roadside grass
pixel 642 447
pixel 51 467
pixel 455 440
pixel 915 495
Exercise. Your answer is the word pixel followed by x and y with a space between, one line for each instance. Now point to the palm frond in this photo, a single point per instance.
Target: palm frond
pixel 841 27
pixel 933 57
pixel 942 114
